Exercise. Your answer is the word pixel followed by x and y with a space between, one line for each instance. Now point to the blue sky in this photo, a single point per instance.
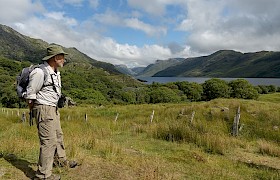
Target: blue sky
pixel 138 32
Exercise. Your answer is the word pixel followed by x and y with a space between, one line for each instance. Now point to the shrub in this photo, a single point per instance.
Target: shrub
pixel 88 96
pixel 263 88
pixel 271 88
pixel 216 88
pixel 142 95
pixel 193 90
pixel 243 89
pixel 163 95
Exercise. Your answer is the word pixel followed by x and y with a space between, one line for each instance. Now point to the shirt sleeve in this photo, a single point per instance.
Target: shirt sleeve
pixel 36 81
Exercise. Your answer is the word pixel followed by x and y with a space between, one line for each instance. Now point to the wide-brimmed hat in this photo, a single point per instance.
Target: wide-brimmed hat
pixel 53 50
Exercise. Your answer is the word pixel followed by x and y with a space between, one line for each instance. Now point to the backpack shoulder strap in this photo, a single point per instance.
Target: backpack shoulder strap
pixel 46 72
pixel 44 69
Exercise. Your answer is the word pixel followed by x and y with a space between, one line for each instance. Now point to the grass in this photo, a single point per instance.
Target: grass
pixel 170 147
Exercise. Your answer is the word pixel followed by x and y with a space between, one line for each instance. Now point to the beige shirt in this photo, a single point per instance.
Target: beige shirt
pixel 41 88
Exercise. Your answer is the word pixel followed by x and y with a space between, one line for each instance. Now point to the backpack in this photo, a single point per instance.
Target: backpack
pixel 23 80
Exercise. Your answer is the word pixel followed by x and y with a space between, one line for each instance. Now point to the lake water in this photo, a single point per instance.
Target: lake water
pixel 253 81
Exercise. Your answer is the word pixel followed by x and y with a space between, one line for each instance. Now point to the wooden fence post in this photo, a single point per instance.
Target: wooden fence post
pixel 193 113
pixel 236 122
pixel 116 118
pixel 86 118
pixel 152 116
pixel 23 117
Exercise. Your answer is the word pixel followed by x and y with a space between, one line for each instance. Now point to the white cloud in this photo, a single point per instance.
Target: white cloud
pixel 106 49
pixel 232 24
pixel 250 25
pixel 109 18
pixel 151 7
pixel 114 19
pixel 60 17
pixel 148 29
pixel 17 10
pixel 186 25
pixel 155 7
pixel 94 3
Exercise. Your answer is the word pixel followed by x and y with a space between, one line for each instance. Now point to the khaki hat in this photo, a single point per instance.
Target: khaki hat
pixel 52 51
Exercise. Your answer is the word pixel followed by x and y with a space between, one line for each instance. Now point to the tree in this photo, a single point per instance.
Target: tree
pixel 216 88
pixel 271 88
pixel 243 89
pixel 9 97
pixel 163 95
pixel 142 95
pixel 89 96
pixel 128 96
pixel 264 89
pixel 192 90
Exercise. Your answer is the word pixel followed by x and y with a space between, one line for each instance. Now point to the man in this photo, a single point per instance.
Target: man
pixel 43 93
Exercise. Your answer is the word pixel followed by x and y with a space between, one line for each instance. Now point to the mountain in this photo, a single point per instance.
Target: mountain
pixel 23 48
pixel 159 65
pixel 125 70
pixel 19 47
pixel 227 63
pixel 85 80
pixel 137 70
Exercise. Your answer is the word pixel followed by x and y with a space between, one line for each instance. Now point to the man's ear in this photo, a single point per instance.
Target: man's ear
pixel 55 58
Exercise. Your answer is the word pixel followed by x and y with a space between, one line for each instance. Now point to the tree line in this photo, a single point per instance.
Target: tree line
pixel 87 84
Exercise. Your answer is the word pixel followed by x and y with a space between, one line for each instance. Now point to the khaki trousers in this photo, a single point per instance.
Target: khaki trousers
pixel 51 138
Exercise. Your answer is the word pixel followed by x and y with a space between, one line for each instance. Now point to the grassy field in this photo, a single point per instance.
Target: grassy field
pixel 182 141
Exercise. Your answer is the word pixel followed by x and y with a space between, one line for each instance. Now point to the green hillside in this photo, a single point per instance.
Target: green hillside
pixel 227 63
pixel 18 47
pixel 84 79
pixel 158 66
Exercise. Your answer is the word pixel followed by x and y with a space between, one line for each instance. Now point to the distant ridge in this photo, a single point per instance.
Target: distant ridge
pixel 227 63
pixel 125 70
pixel 158 66
pixel 223 63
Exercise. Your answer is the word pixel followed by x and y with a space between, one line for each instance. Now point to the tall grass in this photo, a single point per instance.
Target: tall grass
pixel 269 148
pixel 172 146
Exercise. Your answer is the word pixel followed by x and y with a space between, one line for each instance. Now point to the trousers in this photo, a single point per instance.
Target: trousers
pixel 50 136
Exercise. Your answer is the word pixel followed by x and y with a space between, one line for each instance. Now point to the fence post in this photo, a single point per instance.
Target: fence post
pixel 86 118
pixel 236 122
pixel 23 117
pixel 193 113
pixel 116 118
pixel 152 116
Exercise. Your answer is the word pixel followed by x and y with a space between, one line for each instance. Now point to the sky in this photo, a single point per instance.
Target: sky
pixel 139 32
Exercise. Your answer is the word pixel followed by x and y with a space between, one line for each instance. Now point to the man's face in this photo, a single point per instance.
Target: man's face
pixel 59 59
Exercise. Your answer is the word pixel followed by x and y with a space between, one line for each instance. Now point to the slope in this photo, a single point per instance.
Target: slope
pixel 159 65
pixel 23 48
pixel 228 63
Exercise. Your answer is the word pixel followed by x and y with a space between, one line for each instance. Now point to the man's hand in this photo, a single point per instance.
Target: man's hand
pixel 30 103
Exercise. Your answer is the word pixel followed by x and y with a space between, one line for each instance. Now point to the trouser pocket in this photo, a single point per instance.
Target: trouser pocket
pixel 44 113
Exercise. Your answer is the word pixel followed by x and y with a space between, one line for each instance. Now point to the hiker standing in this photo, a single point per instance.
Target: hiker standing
pixel 43 93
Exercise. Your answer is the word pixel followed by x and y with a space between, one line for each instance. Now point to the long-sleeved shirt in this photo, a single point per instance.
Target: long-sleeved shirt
pixel 41 88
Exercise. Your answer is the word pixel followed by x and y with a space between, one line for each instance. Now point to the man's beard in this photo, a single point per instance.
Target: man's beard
pixel 60 64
